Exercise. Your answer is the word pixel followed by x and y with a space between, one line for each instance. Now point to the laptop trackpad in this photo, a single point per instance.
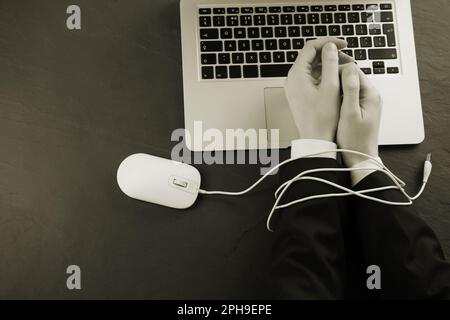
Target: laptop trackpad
pixel 279 116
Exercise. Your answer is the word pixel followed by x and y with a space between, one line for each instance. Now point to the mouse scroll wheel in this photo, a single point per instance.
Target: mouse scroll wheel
pixel 180 183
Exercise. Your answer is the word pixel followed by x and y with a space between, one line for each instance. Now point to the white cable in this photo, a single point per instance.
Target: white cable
pixel 281 190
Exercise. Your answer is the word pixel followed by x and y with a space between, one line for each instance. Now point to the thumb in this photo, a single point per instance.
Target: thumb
pixel 350 88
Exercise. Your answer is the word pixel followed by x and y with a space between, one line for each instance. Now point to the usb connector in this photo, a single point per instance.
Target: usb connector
pixel 427 167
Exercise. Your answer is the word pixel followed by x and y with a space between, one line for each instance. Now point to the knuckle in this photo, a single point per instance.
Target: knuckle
pixel 375 97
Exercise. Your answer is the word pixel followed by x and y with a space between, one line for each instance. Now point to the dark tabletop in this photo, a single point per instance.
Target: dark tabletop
pixel 73 104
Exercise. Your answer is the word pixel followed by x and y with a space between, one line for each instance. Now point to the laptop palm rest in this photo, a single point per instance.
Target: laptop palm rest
pixel 279 116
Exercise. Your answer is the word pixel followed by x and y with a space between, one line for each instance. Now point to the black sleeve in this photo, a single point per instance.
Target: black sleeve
pixel 398 240
pixel 308 255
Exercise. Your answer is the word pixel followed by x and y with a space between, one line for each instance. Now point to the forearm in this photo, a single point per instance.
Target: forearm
pixel 308 253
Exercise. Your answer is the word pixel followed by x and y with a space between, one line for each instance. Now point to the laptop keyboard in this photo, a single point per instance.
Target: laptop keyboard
pixel 262 41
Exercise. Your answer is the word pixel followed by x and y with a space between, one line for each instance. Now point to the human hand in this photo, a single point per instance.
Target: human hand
pixel 313 88
pixel 360 117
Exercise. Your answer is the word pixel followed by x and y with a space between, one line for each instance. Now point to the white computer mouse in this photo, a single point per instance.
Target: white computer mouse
pixel 158 180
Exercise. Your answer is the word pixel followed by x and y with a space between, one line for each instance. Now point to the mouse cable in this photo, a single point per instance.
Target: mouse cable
pixel 282 189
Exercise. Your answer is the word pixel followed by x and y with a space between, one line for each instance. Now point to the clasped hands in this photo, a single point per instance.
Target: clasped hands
pixel 331 99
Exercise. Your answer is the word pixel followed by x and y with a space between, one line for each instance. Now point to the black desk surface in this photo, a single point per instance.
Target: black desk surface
pixel 74 104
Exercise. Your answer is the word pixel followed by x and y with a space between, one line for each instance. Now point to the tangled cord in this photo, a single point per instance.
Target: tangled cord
pixel 283 188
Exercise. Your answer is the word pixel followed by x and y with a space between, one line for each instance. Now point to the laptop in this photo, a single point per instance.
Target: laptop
pixel 236 56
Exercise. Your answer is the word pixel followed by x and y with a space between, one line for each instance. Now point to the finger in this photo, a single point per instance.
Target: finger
pixel 309 52
pixel 350 88
pixel 368 92
pixel 330 65
pixel 345 58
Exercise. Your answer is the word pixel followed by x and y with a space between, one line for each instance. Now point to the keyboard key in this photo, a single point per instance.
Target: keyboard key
pixel 379 41
pixel 284 44
pixel 321 31
pixel 221 72
pixel 360 54
pixel 237 58
pixel 345 7
pixel 257 45
pixel 261 10
pixel 326 18
pixel 294 32
pixel 265 57
pixel 386 6
pixel 388 30
pixel 209 34
pixel 298 43
pixel 393 70
pixel 348 30
pixel 207 72
pixel 353 17
pixel 300 18
pixel 211 46
pixel 379 71
pixel 280 32
pixel 302 9
pixel 307 31
pixel 352 42
pixel 275 70
pixel 378 64
pixel 244 45
pixel 204 11
pixel 366 70
pixel 251 57
pixel 230 45
pixel 286 19
pixel 365 42
pixel 267 32
pixel 387 16
pixel 289 9
pixel 246 20
pixel 340 17
pixel 278 56
pixel 271 44
pixel 358 7
pixel 375 29
pixel 250 71
pixel 334 30
pixel 368 17
pixel 226 33
pixel 361 29
pixel 247 10
pixel 259 20
pixel 316 8
pixel 224 58
pixel 219 21
pixel 219 10
pixel 372 7
pixel 291 56
pixel 232 21
pixel 331 8
pixel 209 58
pixel 313 18
pixel 240 33
pixel 205 21
pixel 382 54
pixel 273 19
pixel 253 32
pixel 232 10
pixel 347 52
pixel 274 9
pixel 235 72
